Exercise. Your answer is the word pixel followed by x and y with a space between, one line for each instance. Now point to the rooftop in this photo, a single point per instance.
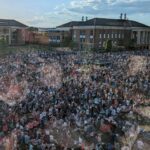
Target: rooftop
pixel 105 22
pixel 11 23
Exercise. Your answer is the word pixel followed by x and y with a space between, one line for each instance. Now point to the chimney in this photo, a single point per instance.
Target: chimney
pixel 82 18
pixel 125 16
pixel 86 18
pixel 121 16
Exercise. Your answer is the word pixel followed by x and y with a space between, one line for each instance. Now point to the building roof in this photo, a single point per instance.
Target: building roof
pixel 105 22
pixel 11 23
pixel 71 24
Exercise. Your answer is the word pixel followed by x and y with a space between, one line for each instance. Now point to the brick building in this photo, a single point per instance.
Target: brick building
pixel 94 33
pixel 58 36
pixel 12 32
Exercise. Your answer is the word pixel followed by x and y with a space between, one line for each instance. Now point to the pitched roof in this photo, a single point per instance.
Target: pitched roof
pixel 13 23
pixel 71 24
pixel 105 22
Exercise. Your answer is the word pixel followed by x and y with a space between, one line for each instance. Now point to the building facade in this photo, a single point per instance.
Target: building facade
pixel 11 31
pixel 94 33
pixel 58 36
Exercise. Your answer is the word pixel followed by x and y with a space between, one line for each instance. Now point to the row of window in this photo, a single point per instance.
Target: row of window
pixel 82 40
pixel 55 39
pixel 5 31
pixel 101 44
pixel 83 32
pixel 113 35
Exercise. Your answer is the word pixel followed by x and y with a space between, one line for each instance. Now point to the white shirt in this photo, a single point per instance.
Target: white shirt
pixel 140 145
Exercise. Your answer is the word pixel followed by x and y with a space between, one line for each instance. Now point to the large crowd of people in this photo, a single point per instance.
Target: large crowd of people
pixel 70 100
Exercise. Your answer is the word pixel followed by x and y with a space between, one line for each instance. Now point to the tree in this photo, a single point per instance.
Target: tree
pixel 3 42
pixel 73 44
pixel 108 45
pixel 120 42
pixel 66 41
pixel 131 44
pixel 33 29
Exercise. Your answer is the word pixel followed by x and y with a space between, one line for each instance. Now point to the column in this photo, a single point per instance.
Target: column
pixel 148 37
pixel 144 37
pixel 9 42
pixel 149 40
pixel 138 37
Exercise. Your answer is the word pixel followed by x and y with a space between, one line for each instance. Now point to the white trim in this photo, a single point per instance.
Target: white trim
pixel 101 27
pixel 14 27
pixel 112 27
pixel 140 29
pixel 64 28
pixel 18 27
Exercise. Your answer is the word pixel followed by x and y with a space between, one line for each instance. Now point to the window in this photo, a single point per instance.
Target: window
pixel 104 35
pixel 123 35
pixel 119 36
pixel 74 36
pixel 82 40
pixel 100 35
pixel 100 46
pixel 108 36
pixel 91 40
pixel 83 36
pixel 91 36
pixel 104 43
pixel 82 32
pixel 114 43
pixel 58 39
pixel 116 35
pixel 5 30
pixel 91 32
pixel 112 35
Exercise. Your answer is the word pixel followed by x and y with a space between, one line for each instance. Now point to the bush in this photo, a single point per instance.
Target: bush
pixel 108 45
pixel 3 42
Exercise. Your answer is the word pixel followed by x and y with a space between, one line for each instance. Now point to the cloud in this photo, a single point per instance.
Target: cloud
pixel 52 19
pixel 92 8
pixel 109 6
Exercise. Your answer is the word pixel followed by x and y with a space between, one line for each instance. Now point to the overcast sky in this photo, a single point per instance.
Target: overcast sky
pixel 50 13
